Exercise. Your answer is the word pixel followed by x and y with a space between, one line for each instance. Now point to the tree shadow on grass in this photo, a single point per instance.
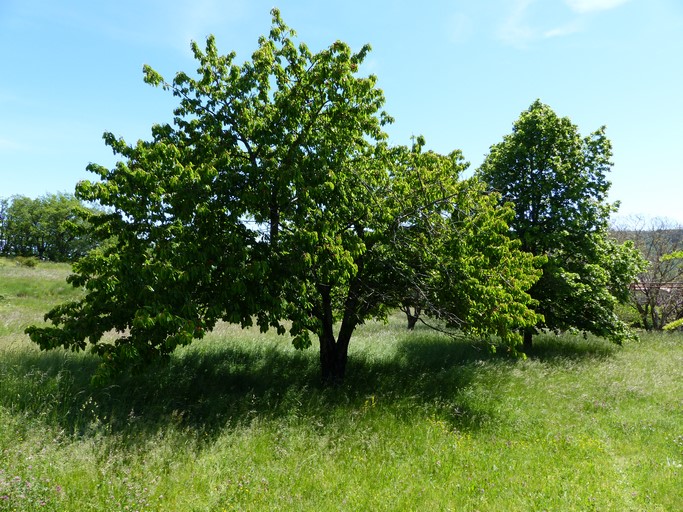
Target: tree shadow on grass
pixel 206 389
pixel 554 349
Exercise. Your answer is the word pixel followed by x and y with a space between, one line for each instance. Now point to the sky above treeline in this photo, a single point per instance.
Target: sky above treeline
pixel 457 72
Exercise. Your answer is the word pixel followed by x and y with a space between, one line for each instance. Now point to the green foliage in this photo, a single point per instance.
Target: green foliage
pixel 274 199
pixel 448 252
pixel 465 270
pixel 676 324
pixel 557 182
pixel 673 256
pixel 248 208
pixel 52 227
pixel 485 277
pixel 30 262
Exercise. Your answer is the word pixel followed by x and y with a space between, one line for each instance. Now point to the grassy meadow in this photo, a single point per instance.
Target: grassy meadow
pixel 238 421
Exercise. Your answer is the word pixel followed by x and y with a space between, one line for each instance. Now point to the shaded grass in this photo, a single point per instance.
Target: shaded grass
pixel 238 421
pixel 227 380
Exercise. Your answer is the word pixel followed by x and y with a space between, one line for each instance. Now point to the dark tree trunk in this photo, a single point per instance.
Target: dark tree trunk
pixel 41 251
pixel 333 357
pixel 274 219
pixel 412 314
pixel 412 320
pixel 528 340
pixel 333 351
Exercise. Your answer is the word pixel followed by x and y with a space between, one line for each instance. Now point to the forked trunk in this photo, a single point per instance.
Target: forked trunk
pixel 333 357
pixel 412 314
pixel 412 320
pixel 334 351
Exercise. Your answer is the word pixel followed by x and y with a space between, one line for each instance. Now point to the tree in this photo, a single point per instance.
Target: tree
pixel 52 227
pixel 658 294
pixel 484 277
pixel 273 197
pixel 557 181
pixel 453 260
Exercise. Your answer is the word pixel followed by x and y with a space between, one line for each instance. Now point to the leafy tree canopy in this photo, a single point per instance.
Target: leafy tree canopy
pixel 274 199
pixel 52 227
pixel 557 181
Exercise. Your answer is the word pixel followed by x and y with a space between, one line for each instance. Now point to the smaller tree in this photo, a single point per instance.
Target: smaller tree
pixel 676 324
pixel 483 284
pixel 557 181
pixel 452 257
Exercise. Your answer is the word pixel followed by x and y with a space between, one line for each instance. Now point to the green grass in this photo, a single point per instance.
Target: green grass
pixel 238 421
pixel 26 293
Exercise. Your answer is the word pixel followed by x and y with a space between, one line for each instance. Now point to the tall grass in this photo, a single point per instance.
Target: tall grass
pixel 238 421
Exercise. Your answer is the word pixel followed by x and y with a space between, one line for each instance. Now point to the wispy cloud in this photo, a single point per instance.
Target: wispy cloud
pixel 564 30
pixel 586 6
pixel 173 24
pixel 515 29
pixel 522 25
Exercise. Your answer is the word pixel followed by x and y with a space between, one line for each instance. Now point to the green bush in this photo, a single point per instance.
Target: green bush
pixel 27 261
pixel 628 314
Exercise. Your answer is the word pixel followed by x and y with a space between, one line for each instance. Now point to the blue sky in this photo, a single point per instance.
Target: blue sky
pixel 458 72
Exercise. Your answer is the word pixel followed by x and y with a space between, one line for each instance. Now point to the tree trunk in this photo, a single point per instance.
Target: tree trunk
pixel 333 357
pixel 413 316
pixel 528 340
pixel 274 218
pixel 412 320
pixel 333 352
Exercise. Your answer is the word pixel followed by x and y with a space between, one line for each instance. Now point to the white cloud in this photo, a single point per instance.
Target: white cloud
pixel 586 6
pixel 515 30
pixel 523 26
pixel 564 30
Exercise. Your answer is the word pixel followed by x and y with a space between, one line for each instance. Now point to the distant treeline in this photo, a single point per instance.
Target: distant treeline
pixel 671 239
pixel 52 227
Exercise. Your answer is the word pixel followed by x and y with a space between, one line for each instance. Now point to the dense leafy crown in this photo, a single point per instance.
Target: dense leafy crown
pixel 557 182
pixel 273 196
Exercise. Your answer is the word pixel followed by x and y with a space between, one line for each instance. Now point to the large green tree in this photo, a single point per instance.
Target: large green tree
pixel 557 181
pixel 272 198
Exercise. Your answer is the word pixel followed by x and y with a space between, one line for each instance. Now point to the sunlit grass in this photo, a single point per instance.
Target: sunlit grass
pixel 238 421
